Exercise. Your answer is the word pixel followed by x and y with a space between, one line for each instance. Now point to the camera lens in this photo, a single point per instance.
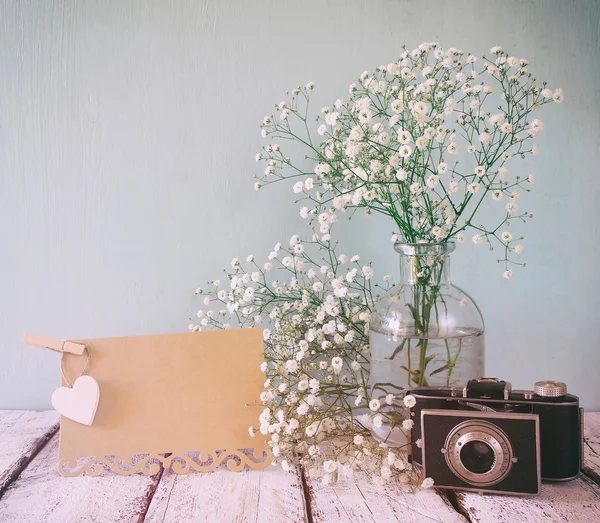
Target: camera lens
pixel 477 456
pixel 478 452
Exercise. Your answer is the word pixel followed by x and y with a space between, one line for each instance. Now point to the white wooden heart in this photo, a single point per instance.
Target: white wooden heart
pixel 80 402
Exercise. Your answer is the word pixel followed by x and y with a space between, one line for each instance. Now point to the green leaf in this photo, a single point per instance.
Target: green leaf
pixel 385 386
pixel 414 373
pixel 441 369
pixel 398 349
pixel 413 311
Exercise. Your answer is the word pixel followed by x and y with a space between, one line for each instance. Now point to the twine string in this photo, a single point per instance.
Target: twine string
pixel 62 369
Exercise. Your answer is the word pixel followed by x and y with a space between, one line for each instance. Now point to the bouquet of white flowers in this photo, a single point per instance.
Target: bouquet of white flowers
pixel 316 306
pixel 390 149
pixel 393 148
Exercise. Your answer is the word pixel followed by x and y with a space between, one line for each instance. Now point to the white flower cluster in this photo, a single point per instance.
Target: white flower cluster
pixel 393 146
pixel 315 316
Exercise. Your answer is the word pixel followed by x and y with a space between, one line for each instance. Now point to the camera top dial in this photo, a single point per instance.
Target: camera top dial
pixel 550 389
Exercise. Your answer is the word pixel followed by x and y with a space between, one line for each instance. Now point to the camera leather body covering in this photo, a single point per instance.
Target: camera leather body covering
pixel 560 421
pixel 514 463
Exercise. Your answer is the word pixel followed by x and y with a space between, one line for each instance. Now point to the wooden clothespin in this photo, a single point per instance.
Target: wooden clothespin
pixel 54 344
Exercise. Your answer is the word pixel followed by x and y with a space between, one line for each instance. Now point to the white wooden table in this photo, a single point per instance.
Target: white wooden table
pixel 32 491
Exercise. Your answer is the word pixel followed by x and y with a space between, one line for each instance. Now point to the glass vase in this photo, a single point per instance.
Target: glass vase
pixel 425 332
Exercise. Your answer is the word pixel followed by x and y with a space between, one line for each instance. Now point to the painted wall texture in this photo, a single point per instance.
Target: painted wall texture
pixel 128 131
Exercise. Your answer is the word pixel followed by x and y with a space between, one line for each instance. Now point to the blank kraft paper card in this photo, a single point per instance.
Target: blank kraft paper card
pixel 178 401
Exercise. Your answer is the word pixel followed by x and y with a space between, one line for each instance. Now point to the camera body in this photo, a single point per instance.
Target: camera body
pixel 488 437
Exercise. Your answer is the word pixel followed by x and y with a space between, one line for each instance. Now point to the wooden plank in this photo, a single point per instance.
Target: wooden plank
pixel 591 462
pixel 265 496
pixel 357 499
pixel 572 501
pixel 22 434
pixel 41 494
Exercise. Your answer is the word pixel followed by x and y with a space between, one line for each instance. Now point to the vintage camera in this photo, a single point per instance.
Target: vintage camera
pixel 490 438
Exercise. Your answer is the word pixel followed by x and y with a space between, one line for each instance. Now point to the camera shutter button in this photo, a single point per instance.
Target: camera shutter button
pixel 550 389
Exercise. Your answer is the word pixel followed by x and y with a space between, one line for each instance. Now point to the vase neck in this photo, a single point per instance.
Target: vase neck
pixel 426 264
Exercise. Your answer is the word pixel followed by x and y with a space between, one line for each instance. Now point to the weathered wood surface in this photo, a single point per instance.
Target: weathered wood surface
pixel 22 434
pixel 576 501
pixel 34 491
pixel 591 465
pixel 265 496
pixel 40 494
pixel 356 499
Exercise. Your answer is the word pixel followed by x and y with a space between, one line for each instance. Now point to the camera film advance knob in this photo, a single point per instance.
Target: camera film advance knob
pixel 550 389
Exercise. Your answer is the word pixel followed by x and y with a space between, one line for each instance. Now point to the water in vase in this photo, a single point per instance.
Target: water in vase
pixel 396 362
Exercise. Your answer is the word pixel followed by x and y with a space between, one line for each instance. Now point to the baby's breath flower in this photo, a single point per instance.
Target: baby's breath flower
pixel 558 96
pixel 409 401
pixel 374 404
pixel 408 424
pixel 427 483
pixel 337 364
pixel 473 187
pixel 485 138
pixel 330 466
pixel 367 272
pixel 311 430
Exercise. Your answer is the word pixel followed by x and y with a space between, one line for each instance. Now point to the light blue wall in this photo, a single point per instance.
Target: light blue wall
pixel 127 136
